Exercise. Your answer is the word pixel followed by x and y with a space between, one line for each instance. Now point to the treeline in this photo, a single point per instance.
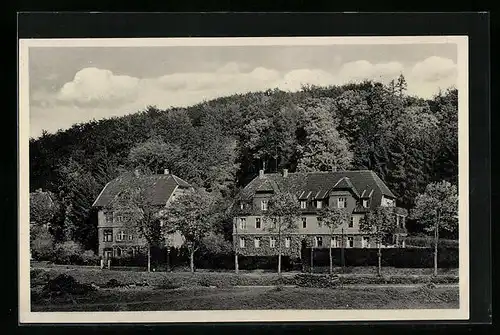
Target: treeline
pixel 221 144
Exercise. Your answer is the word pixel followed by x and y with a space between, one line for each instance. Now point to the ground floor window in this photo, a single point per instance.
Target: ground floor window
pixel 287 242
pixel 350 242
pixel 272 242
pixel 318 241
pixel 107 235
pixel 334 242
pixel 118 252
pixel 365 242
pixel 257 242
pixel 242 242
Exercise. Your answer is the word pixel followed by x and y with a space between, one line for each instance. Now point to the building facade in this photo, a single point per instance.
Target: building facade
pixel 356 191
pixel 116 237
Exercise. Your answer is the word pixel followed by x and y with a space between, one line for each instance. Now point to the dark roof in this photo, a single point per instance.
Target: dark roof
pixel 318 185
pixel 159 188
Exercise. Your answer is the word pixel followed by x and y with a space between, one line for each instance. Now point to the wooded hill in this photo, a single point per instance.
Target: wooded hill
pixel 221 144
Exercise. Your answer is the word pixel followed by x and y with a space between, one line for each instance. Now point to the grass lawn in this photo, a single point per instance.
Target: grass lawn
pixel 234 298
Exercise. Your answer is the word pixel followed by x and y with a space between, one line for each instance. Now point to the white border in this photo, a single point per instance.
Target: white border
pixel 26 316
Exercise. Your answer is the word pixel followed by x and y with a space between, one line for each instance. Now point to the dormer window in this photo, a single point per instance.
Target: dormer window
pixel 341 202
pixel 319 204
pixel 263 205
pixel 365 203
pixel 242 205
pixel 303 204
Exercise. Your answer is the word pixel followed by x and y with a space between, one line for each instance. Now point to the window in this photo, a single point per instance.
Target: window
pixel 351 223
pixel 287 242
pixel 130 237
pixel 318 241
pixel 273 223
pixel 320 222
pixel 365 242
pixel 319 204
pixel 341 202
pixel 263 205
pixel 350 242
pixel 257 242
pixel 118 252
pixel 334 242
pixel 108 235
pixel 397 221
pixel 242 205
pixel 121 236
pixel 243 223
pixel 272 242
pixel 304 222
pixel 365 203
pixel 303 204
pixel 242 242
pixel 257 223
pixel 108 253
pixel 109 217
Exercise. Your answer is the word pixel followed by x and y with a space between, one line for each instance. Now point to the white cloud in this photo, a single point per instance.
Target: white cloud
pixel 99 93
pixel 96 85
pixel 434 69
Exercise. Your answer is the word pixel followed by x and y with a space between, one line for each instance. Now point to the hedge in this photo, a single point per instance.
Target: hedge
pixel 428 242
pixel 395 257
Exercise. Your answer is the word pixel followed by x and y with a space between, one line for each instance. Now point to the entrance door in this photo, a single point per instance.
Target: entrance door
pixel 108 254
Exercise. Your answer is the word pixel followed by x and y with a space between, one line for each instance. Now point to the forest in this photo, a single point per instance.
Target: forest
pixel 221 144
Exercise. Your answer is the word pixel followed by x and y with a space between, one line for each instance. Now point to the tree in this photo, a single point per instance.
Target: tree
pixel 379 223
pixel 155 155
pixel 43 208
pixel 333 217
pixel 282 215
pixel 437 209
pixel 324 149
pixel 193 215
pixel 138 210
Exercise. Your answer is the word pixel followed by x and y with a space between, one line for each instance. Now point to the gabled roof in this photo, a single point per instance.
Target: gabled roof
pixel 318 185
pixel 159 188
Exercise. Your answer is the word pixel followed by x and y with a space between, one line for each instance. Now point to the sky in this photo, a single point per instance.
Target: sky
pixel 69 85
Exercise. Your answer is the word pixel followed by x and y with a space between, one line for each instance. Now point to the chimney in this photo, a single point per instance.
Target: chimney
pixel 261 173
pixel 166 171
pixel 285 173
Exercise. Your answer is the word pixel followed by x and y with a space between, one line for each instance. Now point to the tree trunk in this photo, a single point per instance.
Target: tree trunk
pixel 342 257
pixel 279 263
pixel 168 259
pixel 149 258
pixel 312 259
pixel 331 261
pixel 191 260
pixel 236 265
pixel 436 239
pixel 379 268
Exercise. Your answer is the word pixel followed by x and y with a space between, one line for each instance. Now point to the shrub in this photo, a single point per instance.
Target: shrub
pixel 38 277
pixel 428 242
pixel 169 284
pixel 66 284
pixel 68 252
pixel 42 245
pixel 90 258
pixel 318 281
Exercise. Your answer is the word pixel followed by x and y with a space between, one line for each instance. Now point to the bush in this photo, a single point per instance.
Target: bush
pixel 317 281
pixel 68 252
pixel 38 277
pixel 139 259
pixel 90 258
pixel 428 242
pixel 66 284
pixel 169 284
pixel 395 257
pixel 42 244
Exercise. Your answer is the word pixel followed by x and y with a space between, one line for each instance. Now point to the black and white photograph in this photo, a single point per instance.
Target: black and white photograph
pixel 244 179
